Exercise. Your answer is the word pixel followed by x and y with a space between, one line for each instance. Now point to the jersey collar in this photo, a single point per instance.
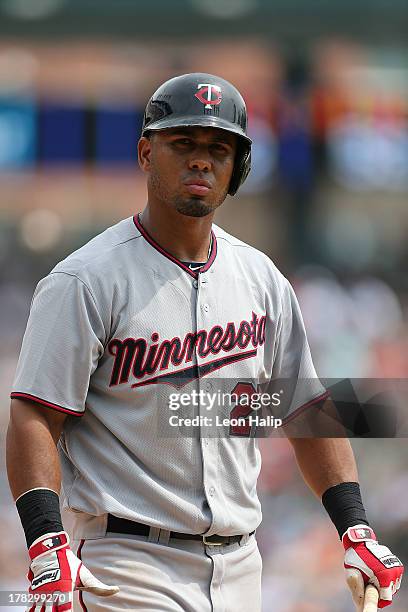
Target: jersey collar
pixel 153 243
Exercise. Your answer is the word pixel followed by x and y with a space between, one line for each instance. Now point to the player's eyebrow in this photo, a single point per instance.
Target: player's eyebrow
pixel 218 137
pixel 223 139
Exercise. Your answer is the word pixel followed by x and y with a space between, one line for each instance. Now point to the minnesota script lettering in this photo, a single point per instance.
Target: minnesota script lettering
pixel 137 357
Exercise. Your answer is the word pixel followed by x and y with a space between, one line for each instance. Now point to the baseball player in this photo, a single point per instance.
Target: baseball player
pixel 162 303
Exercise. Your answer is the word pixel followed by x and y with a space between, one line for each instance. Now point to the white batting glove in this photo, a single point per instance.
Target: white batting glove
pixel 55 572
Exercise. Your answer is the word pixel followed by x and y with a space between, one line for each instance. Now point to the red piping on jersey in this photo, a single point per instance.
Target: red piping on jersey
pixel 81 600
pixel 153 243
pixel 38 400
pixel 319 398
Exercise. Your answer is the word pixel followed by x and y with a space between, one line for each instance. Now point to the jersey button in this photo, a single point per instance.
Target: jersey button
pixel 211 491
pixel 206 307
pixel 195 284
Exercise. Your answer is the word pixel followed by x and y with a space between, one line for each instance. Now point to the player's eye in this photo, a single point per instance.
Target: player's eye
pixel 221 148
pixel 182 141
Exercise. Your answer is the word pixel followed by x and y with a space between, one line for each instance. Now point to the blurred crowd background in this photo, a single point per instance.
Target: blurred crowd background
pixel 326 86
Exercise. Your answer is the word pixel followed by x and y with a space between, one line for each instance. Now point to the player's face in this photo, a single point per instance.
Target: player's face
pixel 189 169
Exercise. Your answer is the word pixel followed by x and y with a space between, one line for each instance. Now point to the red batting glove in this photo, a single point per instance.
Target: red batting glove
pixel 374 563
pixel 56 571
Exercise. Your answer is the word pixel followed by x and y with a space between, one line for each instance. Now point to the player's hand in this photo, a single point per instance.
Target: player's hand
pixel 370 563
pixel 55 569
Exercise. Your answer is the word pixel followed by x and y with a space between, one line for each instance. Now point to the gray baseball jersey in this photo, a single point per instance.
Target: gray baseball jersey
pixel 117 326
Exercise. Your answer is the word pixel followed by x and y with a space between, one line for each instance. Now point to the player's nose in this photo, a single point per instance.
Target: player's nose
pixel 200 163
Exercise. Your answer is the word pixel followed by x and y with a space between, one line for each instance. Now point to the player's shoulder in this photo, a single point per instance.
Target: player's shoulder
pixel 97 255
pixel 241 248
pixel 249 255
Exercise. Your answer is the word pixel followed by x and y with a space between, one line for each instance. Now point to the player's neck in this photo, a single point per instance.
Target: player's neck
pixel 186 238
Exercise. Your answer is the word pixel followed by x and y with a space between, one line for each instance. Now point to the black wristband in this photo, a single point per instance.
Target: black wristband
pixel 344 505
pixel 39 512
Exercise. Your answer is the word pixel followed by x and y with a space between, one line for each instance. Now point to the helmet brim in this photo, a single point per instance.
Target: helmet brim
pixel 195 121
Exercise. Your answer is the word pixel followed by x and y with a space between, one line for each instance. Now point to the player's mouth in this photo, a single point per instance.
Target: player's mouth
pixel 197 186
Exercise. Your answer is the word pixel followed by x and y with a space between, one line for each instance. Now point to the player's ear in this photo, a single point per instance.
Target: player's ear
pixel 144 149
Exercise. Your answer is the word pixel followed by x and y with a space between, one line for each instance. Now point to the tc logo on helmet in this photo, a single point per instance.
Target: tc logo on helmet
pixel 206 93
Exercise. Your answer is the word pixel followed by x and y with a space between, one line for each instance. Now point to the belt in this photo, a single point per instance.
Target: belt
pixel 121 525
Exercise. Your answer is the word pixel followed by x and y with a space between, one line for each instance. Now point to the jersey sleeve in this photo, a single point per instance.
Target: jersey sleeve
pixel 293 370
pixel 63 341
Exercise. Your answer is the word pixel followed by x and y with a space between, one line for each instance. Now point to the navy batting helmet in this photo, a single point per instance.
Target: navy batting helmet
pixel 201 99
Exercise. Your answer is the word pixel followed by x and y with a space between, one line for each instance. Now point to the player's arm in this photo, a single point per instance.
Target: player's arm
pixel 326 459
pixel 34 476
pixel 32 457
pixel 325 462
pixel 329 469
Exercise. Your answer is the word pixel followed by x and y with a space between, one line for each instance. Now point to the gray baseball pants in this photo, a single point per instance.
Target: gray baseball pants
pixel 171 576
